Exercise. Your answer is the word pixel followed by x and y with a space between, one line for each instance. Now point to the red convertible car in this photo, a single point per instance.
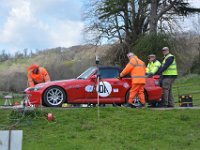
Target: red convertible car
pixel 96 85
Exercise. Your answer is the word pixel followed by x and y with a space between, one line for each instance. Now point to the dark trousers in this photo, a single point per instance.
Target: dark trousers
pixel 167 97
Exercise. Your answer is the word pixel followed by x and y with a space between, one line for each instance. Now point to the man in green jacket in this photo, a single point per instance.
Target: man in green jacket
pixel 153 65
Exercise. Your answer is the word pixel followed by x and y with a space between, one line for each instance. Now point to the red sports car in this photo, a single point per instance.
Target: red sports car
pixel 96 85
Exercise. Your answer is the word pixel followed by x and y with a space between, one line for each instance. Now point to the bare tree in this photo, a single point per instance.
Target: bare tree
pixel 25 52
pixel 126 20
pixel 117 20
pixel 165 9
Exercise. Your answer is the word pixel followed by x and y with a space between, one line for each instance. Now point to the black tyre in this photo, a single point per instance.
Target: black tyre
pixel 54 97
pixel 136 98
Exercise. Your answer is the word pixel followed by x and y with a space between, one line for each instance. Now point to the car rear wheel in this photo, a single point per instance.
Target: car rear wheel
pixel 54 97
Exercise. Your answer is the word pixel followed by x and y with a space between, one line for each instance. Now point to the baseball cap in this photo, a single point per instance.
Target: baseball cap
pixel 165 48
pixel 130 54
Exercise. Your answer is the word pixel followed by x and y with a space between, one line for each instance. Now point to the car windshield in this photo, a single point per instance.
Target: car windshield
pixel 109 73
pixel 87 73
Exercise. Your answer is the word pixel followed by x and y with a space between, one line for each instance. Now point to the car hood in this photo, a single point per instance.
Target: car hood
pixel 51 83
pixel 58 82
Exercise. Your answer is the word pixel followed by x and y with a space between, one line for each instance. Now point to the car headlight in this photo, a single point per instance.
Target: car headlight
pixel 35 88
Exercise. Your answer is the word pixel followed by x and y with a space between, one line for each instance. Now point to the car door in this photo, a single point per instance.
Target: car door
pixel 77 88
pixel 110 89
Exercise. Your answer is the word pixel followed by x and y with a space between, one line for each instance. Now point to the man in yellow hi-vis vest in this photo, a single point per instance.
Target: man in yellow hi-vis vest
pixel 152 66
pixel 169 74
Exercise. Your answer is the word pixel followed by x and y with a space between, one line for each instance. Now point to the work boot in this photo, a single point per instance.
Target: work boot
pixel 170 106
pixel 161 105
pixel 139 105
pixel 128 105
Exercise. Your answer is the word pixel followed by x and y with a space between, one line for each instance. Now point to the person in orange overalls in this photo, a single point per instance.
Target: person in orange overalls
pixel 136 68
pixel 37 75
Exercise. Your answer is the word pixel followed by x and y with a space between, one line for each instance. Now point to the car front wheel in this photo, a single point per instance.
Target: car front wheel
pixel 54 97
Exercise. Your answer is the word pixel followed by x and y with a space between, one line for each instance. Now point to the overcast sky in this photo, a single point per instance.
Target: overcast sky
pixel 40 24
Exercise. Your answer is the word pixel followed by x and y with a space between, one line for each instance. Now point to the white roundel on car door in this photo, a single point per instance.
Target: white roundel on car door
pixel 104 89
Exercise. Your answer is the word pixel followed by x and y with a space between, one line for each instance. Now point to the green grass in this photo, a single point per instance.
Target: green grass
pixel 115 129
pixel 188 85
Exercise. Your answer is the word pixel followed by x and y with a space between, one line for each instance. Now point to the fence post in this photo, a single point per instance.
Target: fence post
pixel 199 54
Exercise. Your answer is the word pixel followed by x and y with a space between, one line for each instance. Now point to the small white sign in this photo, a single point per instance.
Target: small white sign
pixel 116 90
pixel 89 88
pixel 11 139
pixel 104 89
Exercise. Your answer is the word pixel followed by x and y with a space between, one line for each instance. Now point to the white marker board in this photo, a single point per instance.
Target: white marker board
pixel 11 139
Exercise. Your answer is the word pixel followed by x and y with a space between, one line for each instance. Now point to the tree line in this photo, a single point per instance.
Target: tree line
pixel 25 53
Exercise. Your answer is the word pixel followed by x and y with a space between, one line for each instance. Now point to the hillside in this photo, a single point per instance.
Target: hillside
pixel 61 63
pixel 65 63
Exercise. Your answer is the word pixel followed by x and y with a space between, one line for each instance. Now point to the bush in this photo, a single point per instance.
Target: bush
pixel 32 113
pixel 152 44
pixel 195 67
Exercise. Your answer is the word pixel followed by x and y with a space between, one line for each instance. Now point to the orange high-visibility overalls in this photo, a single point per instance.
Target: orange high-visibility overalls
pixel 136 68
pixel 41 77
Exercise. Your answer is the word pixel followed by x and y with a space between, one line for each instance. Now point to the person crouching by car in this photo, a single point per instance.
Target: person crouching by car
pixel 36 75
pixel 152 66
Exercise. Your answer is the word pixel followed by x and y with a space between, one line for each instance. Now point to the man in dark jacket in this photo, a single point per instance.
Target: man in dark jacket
pixel 169 74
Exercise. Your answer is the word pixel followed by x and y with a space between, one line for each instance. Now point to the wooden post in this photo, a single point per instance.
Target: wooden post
pixel 199 54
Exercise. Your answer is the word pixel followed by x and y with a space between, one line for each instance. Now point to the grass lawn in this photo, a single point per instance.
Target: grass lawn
pixel 115 129
pixel 188 85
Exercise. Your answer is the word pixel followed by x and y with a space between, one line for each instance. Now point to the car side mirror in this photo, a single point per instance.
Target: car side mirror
pixel 156 76
pixel 93 77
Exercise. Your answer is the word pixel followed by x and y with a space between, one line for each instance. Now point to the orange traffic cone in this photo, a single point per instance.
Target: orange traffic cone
pixel 16 103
